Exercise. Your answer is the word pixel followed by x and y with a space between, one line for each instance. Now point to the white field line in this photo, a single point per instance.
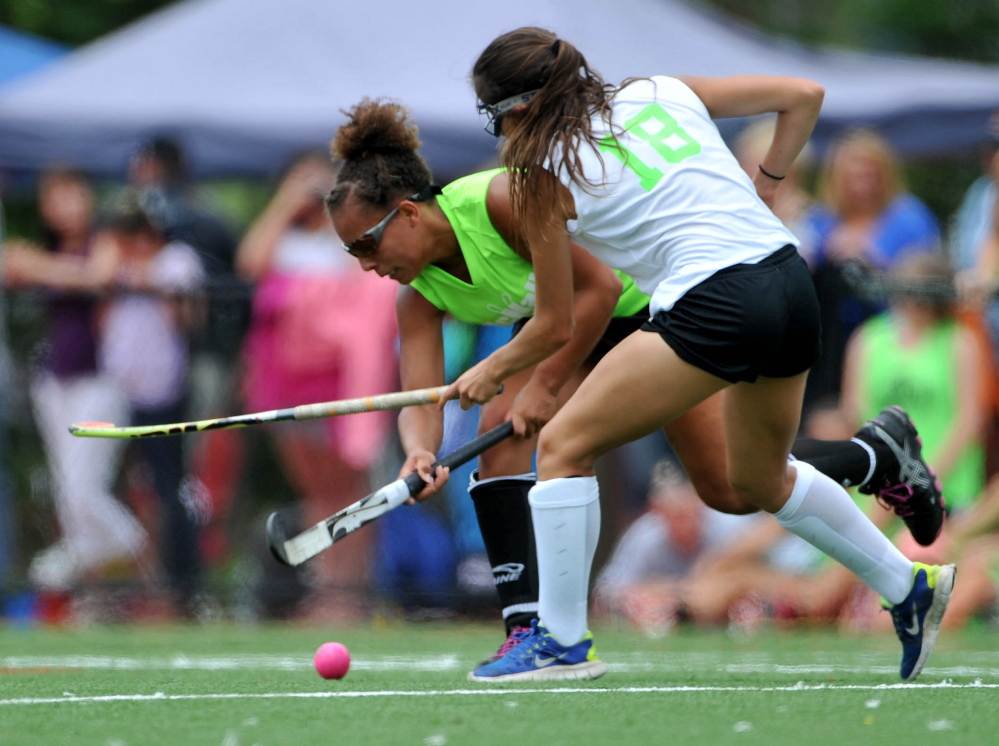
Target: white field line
pixel 656 663
pixel 226 663
pixel 799 687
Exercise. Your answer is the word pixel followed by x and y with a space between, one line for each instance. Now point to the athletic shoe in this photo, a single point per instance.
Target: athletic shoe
pixel 537 656
pixel 908 485
pixel 917 619
pixel 516 635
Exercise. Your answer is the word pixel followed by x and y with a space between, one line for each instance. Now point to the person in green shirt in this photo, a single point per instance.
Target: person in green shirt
pixel 460 251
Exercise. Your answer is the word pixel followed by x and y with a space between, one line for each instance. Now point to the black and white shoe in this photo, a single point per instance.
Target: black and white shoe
pixel 905 483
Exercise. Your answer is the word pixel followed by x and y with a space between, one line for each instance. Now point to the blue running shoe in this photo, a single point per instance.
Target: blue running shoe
pixel 538 656
pixel 917 619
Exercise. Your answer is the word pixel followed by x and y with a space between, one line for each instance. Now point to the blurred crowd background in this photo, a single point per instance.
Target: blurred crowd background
pixel 152 294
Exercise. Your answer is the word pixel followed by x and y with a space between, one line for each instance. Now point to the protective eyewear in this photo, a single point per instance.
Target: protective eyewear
pixel 367 243
pixel 495 112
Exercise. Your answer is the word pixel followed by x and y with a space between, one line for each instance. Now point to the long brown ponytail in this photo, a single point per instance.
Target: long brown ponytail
pixel 557 120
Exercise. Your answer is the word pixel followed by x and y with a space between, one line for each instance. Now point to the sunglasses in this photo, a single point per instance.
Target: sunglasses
pixel 367 243
pixel 495 112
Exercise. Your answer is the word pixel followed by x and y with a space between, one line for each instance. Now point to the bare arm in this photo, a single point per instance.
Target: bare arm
pixel 26 265
pixel 796 101
pixel 550 327
pixel 596 290
pixel 300 188
pixel 421 365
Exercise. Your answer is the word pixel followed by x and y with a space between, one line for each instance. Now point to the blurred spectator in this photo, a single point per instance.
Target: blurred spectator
pixel 322 329
pixel 920 356
pixel 144 348
pixel 159 169
pixel 793 200
pixel 67 387
pixel 974 221
pixel 974 236
pixel 645 580
pixel 866 216
pixel 975 545
pixel 6 515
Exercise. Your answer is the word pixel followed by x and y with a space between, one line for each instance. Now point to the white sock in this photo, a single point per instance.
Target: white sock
pixel 824 515
pixel 566 515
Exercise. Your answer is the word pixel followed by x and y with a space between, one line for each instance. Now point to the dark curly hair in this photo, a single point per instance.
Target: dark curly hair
pixel 377 148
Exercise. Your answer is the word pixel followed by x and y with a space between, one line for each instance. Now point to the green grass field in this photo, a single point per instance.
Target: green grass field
pixel 245 686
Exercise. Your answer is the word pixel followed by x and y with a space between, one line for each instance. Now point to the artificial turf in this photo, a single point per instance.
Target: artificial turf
pixel 228 685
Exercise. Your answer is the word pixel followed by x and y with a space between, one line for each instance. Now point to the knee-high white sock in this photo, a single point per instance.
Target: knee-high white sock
pixel 822 513
pixel 566 515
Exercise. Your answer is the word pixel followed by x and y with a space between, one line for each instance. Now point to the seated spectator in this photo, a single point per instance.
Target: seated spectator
pixel 646 578
pixel 72 265
pixel 975 543
pixel 867 216
pixel 920 356
pixel 144 348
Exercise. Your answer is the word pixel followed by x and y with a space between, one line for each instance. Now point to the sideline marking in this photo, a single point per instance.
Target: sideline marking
pixel 799 687
pixel 627 663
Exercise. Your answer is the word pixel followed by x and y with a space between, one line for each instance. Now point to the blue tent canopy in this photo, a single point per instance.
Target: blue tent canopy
pixel 244 84
pixel 22 53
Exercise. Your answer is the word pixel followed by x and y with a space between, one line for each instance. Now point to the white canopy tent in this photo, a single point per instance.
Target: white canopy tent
pixel 244 84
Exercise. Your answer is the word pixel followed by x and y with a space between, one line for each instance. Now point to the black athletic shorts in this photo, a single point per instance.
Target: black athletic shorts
pixel 748 320
pixel 618 328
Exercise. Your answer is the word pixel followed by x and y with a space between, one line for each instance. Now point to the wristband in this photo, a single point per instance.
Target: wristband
pixel 770 175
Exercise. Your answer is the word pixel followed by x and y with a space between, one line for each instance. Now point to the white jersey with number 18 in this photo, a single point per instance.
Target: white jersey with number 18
pixel 670 205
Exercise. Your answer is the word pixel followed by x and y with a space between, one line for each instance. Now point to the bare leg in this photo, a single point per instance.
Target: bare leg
pixel 641 385
pixel 514 455
pixel 638 387
pixel 698 439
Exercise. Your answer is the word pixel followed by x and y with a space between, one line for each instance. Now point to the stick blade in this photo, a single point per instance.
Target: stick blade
pixel 300 548
pixel 85 429
pixel 277 535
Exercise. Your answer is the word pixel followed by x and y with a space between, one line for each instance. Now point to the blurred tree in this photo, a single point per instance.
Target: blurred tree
pixel 958 29
pixel 73 22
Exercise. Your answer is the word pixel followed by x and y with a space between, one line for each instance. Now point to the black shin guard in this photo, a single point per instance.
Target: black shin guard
pixel 508 532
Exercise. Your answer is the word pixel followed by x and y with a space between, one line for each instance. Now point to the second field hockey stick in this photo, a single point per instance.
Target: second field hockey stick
pixel 323 535
pixel 876 285
pixel 379 402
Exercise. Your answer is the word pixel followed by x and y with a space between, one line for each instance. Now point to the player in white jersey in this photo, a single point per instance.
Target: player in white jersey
pixel 653 190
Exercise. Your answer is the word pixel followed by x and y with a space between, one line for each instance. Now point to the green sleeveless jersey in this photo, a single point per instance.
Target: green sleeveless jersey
pixel 502 288
pixel 923 380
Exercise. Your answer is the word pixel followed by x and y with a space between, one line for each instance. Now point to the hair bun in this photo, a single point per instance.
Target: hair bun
pixel 375 127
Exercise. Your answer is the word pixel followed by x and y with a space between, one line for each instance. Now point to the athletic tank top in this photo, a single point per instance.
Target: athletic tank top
pixel 671 205
pixel 923 380
pixel 502 288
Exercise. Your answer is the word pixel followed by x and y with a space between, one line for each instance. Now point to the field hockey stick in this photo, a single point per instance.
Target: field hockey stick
pixel 874 285
pixel 326 533
pixel 380 402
